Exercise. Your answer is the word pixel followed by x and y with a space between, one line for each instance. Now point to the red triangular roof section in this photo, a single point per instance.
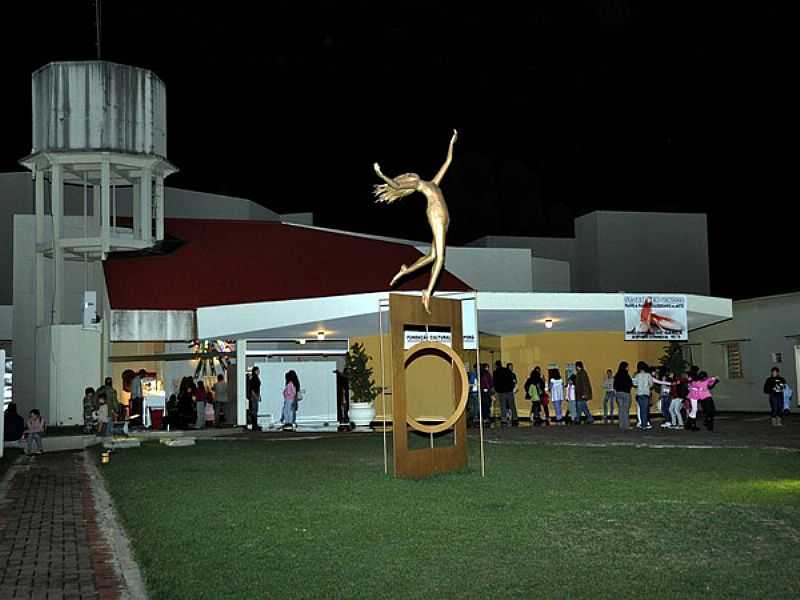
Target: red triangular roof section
pixel 237 262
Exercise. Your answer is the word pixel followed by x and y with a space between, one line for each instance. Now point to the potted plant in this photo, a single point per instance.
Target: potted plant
pixel 363 390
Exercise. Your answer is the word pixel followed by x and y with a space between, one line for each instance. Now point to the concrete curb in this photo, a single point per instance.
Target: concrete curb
pixel 111 527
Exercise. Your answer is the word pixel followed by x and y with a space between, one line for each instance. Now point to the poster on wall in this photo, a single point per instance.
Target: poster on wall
pixel 656 318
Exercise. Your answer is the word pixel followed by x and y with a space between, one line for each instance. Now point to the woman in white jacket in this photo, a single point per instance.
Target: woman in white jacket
pixel 556 385
pixel 644 384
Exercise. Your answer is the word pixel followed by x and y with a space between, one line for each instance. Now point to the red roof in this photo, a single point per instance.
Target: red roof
pixel 235 262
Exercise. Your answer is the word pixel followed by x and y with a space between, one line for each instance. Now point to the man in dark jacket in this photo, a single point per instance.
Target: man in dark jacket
pixel 504 388
pixel 773 387
pixel 583 392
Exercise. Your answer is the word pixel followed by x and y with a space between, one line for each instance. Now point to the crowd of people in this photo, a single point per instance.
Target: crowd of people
pixel 679 397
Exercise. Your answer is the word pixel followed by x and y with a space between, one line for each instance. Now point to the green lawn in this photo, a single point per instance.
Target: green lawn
pixel 318 518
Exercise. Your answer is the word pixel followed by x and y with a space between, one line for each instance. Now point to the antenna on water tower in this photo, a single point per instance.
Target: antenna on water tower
pixel 98 23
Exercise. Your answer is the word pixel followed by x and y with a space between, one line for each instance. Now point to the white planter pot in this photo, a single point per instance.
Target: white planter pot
pixel 362 414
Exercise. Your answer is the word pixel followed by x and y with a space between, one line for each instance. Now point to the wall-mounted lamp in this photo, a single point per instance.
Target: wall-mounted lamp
pixel 321 336
pixel 301 341
pixel 548 323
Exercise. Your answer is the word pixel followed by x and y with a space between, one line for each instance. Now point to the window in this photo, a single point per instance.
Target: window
pixel 733 360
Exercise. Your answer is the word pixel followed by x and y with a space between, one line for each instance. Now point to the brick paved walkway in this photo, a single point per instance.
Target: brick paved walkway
pixel 50 546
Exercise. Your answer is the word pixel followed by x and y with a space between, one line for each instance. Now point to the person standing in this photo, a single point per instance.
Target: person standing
pixel 572 403
pixel 703 386
pixel 89 408
pixel 664 379
pixel 556 387
pixel 583 392
pixel 515 387
pixel 532 393
pixel 104 422
pixel 112 399
pixel 35 428
pixel 681 393
pixel 200 399
pixel 773 387
pixel 609 396
pixel 137 399
pixel 255 398
pixel 472 378
pixel 220 398
pixel 504 388
pixel 487 385
pixel 290 391
pixel 644 385
pixel 622 390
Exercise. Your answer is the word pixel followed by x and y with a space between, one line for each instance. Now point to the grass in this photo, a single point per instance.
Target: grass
pixel 318 518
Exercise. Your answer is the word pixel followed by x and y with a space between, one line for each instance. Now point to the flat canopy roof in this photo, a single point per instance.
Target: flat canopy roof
pixel 499 313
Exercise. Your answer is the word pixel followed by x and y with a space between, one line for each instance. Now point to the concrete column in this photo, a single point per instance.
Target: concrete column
pixel 105 205
pixel 136 211
pixel 242 400
pixel 39 201
pixel 57 202
pixel 159 195
pixel 146 206
pixel 96 208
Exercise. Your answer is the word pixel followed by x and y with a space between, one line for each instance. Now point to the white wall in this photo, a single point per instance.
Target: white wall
pixel 551 275
pixel 28 388
pixel 490 269
pixel 765 326
pixel 6 322
pixel 67 361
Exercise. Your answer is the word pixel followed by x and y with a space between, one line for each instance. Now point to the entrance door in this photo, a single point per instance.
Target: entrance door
pixel 317 409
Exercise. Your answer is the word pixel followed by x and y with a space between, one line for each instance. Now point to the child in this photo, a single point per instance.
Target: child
pixel 89 408
pixel 610 396
pixel 209 414
pixel 571 401
pixel 702 388
pixel 35 428
pixel 692 399
pixel 104 421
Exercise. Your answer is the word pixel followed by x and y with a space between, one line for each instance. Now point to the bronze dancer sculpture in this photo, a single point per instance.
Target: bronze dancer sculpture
pixel 438 217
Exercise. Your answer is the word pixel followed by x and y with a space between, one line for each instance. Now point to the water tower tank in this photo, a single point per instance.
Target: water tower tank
pixel 98 106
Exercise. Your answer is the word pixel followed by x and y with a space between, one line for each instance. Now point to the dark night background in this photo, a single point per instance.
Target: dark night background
pixel 562 108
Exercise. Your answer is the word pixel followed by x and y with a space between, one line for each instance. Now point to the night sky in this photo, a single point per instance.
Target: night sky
pixel 562 108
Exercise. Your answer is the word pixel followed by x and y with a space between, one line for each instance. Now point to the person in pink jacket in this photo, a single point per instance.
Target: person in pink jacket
pixel 700 391
pixel 291 395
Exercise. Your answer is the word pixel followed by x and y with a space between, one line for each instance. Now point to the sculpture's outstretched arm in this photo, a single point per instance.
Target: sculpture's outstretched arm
pixel 391 182
pixel 438 177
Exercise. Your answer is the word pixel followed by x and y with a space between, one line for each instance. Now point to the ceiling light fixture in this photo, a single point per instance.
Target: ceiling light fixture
pixel 548 323
pixel 321 336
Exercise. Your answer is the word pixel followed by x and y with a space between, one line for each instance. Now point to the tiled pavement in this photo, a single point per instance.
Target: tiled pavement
pixel 50 545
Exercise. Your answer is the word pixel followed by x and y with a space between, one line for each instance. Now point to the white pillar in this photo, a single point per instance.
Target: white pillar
pixel 159 195
pixel 146 206
pixel 57 203
pixel 242 400
pixel 105 206
pixel 96 209
pixel 136 211
pixel 39 200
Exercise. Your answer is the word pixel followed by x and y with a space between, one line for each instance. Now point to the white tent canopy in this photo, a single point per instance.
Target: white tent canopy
pixel 499 313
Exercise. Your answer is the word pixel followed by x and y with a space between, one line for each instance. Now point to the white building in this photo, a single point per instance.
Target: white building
pixel 168 267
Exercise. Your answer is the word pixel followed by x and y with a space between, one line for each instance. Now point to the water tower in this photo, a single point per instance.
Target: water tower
pixel 100 126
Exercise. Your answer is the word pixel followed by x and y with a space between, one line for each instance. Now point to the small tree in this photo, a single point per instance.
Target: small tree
pixel 672 359
pixel 359 375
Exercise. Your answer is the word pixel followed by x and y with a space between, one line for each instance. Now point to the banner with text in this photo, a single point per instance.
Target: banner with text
pixel 656 318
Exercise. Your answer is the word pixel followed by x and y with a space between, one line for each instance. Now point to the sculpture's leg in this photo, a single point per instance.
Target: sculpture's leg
pixel 421 262
pixel 438 263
